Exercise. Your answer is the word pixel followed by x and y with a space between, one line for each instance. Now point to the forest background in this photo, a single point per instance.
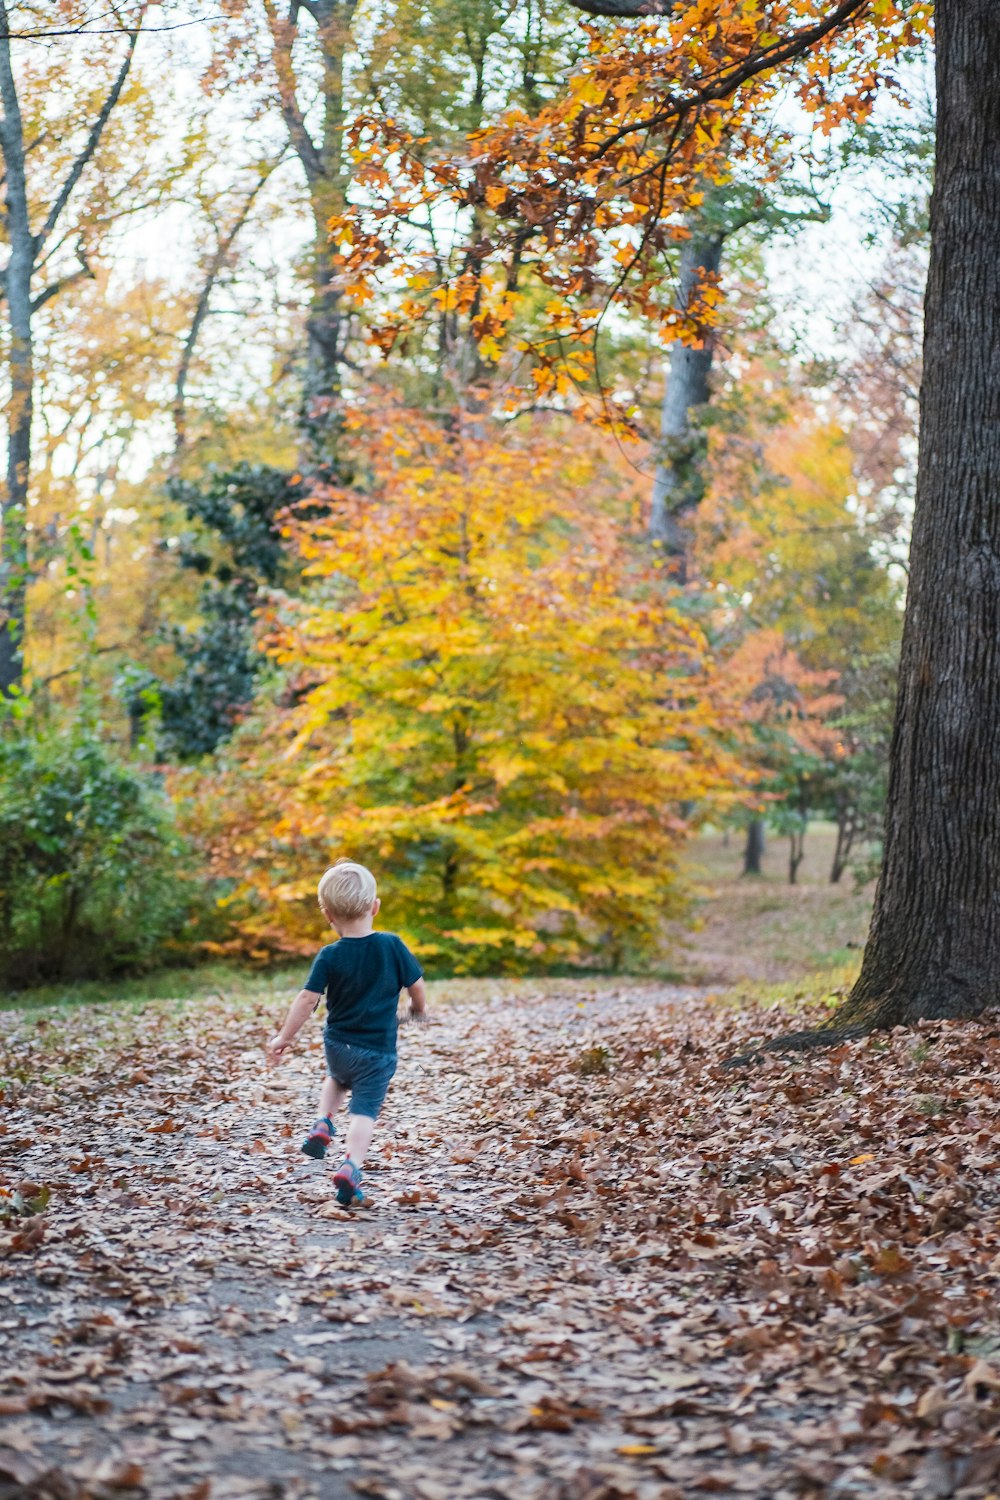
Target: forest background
pixel 342 518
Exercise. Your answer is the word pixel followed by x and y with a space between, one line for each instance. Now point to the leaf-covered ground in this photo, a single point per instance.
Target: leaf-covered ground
pixel 596 1264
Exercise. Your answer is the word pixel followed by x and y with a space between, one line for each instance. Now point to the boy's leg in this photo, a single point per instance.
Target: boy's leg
pixel 371 1073
pixel 332 1097
pixel 359 1138
pixel 347 1178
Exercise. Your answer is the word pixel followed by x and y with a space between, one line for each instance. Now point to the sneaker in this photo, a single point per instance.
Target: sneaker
pixel 318 1139
pixel 347 1181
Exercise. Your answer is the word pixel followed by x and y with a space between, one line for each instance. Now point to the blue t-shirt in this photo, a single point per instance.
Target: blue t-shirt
pixel 361 978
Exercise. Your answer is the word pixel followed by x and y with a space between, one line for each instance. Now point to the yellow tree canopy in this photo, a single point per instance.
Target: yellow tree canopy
pixel 497 705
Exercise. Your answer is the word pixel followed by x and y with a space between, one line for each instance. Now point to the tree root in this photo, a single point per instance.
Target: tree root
pixel 802 1041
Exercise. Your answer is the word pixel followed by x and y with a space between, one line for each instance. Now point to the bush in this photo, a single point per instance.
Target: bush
pixel 94 880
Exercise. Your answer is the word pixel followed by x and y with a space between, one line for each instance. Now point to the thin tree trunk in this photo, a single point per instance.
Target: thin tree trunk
pixel 17 285
pixel 934 945
pixel 753 849
pixel 848 826
pixel 25 249
pixel 325 167
pixel 679 482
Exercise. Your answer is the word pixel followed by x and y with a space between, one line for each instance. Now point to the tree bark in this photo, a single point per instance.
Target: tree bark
pixel 934 946
pixel 753 850
pixel 17 286
pixel 326 326
pixel 679 483
pixel 327 176
pixel 26 246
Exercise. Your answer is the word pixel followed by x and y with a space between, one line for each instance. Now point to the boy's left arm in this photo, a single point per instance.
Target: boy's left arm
pixel 418 1000
pixel 299 1012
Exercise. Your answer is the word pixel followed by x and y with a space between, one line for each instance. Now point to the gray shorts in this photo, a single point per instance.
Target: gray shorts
pixel 366 1073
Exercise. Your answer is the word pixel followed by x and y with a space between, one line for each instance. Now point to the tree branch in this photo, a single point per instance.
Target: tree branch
pixel 89 27
pixel 81 273
pixel 92 141
pixel 78 666
pixel 625 9
pixel 726 83
pixel 216 265
pixel 302 141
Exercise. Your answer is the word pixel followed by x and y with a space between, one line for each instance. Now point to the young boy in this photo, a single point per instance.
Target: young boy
pixel 361 976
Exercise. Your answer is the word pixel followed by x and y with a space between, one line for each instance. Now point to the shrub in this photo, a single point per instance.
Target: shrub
pixel 93 877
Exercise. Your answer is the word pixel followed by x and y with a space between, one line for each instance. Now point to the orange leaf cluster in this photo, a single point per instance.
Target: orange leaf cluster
pixel 585 198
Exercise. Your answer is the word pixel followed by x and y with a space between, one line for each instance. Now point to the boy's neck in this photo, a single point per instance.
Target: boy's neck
pixel 358 927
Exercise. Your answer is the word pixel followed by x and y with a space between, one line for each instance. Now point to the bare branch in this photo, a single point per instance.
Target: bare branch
pixel 91 143
pixel 90 28
pixel 78 666
pixel 82 272
pixel 625 9
pixel 216 265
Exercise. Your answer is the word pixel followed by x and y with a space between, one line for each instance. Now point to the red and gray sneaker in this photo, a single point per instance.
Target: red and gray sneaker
pixel 319 1138
pixel 347 1181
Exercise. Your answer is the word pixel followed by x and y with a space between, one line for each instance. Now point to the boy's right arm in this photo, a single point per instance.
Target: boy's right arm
pixel 299 1012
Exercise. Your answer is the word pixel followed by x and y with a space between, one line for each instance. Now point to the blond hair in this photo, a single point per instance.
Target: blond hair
pixel 346 890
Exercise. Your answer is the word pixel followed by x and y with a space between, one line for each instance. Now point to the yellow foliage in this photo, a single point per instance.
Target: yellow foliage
pixel 496 705
pixel 781 529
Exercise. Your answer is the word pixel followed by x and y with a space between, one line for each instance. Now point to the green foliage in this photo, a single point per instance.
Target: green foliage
pixel 236 548
pixel 238 514
pixel 219 666
pixel 846 778
pixel 92 873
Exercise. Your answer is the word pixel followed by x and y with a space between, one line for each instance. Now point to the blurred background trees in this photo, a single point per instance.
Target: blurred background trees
pixel 396 541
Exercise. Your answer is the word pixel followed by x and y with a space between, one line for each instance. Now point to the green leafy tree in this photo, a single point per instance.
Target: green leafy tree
pixel 235 548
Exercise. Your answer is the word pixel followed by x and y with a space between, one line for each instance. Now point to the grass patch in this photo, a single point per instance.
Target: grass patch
pixel 222 981
pixel 764 929
pixel 827 987
pixel 594 1062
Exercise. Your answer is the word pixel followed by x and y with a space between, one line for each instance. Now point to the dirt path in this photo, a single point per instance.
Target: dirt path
pixel 594 1267
pixel 763 930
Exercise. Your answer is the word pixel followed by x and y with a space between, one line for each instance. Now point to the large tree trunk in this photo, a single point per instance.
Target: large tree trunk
pixel 679 482
pixel 934 945
pixel 326 332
